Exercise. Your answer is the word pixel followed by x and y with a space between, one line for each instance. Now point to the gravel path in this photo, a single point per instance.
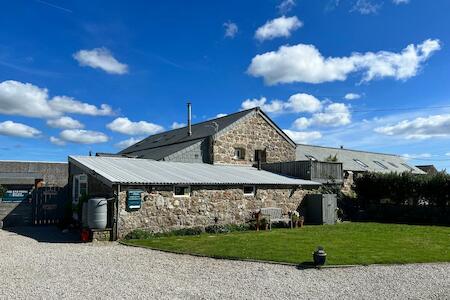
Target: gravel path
pixel 49 269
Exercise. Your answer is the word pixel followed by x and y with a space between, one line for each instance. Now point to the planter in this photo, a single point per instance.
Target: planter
pixel 319 257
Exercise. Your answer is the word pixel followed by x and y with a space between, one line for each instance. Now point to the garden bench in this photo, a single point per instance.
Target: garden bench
pixel 275 215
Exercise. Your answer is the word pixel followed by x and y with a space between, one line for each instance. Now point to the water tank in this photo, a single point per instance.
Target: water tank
pixel 97 213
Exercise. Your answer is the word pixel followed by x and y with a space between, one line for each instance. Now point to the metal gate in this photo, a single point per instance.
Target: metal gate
pixel 49 205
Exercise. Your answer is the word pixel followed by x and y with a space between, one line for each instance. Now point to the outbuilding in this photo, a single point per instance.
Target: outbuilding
pixel 161 195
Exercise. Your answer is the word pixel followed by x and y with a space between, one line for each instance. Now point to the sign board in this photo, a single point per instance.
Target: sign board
pixel 15 195
pixel 134 199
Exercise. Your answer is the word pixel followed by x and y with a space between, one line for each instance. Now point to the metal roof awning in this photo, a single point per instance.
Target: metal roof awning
pixel 135 171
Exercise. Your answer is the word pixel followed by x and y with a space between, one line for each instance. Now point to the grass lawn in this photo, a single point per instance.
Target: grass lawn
pixel 347 243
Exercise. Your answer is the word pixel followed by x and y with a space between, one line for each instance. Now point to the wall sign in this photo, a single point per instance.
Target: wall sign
pixel 134 199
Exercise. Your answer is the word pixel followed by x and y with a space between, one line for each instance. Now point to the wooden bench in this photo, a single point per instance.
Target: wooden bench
pixel 274 214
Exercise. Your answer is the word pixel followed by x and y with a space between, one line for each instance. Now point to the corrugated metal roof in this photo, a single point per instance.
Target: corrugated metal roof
pixel 374 162
pixel 121 170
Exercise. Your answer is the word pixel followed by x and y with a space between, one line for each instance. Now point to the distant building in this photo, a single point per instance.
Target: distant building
pixel 429 169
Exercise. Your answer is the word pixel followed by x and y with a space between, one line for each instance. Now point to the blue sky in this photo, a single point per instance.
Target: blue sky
pixel 95 75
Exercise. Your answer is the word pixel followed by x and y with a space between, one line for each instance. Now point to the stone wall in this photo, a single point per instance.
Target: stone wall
pixel 252 133
pixel 162 211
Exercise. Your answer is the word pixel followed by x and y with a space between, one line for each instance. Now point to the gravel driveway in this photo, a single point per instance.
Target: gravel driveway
pixel 40 265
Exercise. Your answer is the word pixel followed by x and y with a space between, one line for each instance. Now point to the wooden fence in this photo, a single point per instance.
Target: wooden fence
pixel 323 172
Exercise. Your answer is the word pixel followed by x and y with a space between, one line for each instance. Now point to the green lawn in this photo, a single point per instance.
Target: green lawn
pixel 347 243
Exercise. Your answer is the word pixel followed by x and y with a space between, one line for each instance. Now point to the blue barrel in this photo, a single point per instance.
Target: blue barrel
pixel 97 213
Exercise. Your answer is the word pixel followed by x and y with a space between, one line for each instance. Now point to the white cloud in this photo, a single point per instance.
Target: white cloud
pixel 81 136
pixel 333 115
pixel 286 6
pixel 352 96
pixel 11 128
pixel 304 63
pixel 125 126
pixel 303 137
pixel 296 103
pixel 448 153
pixel 231 29
pixel 279 27
pixel 26 99
pixel 415 156
pixel 100 58
pixel 127 143
pixel 397 2
pixel 57 141
pixel 366 7
pixel 65 122
pixel 419 128
pixel 70 105
pixel 176 125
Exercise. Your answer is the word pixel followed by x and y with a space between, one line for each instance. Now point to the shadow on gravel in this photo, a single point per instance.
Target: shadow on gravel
pixel 306 265
pixel 46 234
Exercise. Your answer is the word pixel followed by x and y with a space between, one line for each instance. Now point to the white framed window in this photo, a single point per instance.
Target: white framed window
pixel 361 163
pixel 408 167
pixel 380 164
pixel 239 153
pixel 249 190
pixel 181 191
pixel 310 157
pixel 392 164
pixel 80 187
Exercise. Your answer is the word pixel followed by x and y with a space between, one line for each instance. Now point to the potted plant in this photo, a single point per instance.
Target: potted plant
pixel 301 220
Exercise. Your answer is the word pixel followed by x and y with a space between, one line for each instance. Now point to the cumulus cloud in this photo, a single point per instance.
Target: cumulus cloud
pixel 296 103
pixel 333 115
pixel 81 136
pixel 100 58
pixel 57 141
pixel 303 137
pixel 221 115
pixel 286 6
pixel 231 29
pixel 125 126
pixel 26 99
pixel 419 128
pixel 352 96
pixel 366 7
pixel 397 2
pixel 304 63
pixel 65 122
pixel 415 156
pixel 11 128
pixel 176 125
pixel 69 105
pixel 279 27
pixel 127 143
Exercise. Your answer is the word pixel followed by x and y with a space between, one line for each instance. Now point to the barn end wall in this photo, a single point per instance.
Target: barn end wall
pixel 161 211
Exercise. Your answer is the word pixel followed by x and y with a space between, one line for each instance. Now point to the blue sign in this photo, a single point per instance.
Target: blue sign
pixel 134 199
pixel 15 195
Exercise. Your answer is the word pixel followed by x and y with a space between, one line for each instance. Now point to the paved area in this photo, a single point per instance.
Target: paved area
pixel 42 264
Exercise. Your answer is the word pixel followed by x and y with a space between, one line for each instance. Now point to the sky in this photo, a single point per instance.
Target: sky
pixel 80 76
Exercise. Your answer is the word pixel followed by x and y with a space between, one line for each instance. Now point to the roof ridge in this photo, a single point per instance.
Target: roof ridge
pixel 346 149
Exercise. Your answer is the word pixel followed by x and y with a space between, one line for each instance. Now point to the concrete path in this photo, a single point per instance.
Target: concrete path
pixel 43 263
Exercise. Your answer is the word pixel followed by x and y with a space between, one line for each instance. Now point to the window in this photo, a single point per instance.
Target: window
pixel 239 153
pixel 249 190
pixel 260 156
pixel 361 163
pixel 392 164
pixel 80 187
pixel 182 191
pixel 310 157
pixel 380 164
pixel 408 166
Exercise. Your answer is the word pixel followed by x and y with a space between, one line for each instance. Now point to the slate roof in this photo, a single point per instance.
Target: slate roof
pixel 371 161
pixel 138 171
pixel 163 144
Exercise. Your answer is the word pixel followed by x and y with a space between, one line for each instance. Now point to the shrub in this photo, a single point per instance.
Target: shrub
pixel 226 228
pixel 139 234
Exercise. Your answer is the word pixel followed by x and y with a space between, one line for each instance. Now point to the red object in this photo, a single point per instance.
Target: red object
pixel 85 235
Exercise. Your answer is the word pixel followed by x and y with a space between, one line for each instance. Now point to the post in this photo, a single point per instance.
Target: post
pixel 189 106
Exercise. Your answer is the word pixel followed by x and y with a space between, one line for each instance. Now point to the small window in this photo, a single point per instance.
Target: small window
pixel 408 166
pixel 361 163
pixel 80 187
pixel 260 156
pixel 392 164
pixel 380 164
pixel 310 157
pixel 239 153
pixel 182 191
pixel 249 190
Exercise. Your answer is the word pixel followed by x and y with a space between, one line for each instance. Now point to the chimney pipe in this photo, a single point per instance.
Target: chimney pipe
pixel 189 107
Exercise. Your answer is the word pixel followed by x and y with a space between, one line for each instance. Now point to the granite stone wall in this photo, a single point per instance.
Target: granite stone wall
pixel 253 133
pixel 161 211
